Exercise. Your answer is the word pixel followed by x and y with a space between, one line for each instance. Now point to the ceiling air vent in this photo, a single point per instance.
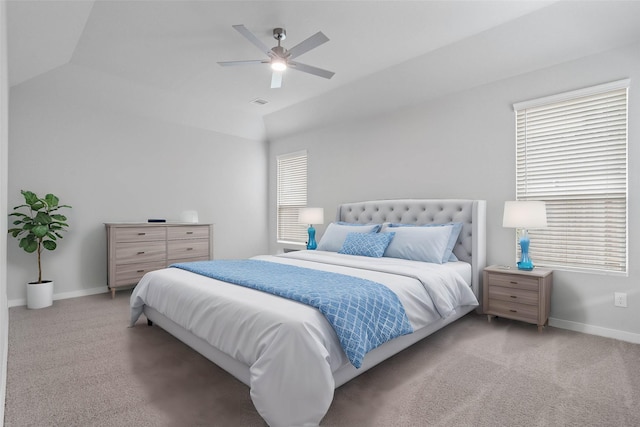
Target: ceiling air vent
pixel 259 101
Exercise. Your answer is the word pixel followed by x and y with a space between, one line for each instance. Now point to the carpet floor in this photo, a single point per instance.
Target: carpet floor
pixel 78 364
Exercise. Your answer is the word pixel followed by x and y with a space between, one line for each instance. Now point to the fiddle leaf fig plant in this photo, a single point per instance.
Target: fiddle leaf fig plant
pixel 38 226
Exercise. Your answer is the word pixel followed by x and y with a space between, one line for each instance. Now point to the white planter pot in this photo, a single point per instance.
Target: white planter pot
pixel 40 295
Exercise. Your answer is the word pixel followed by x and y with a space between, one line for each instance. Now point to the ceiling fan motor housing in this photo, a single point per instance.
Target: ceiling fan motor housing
pixel 279 34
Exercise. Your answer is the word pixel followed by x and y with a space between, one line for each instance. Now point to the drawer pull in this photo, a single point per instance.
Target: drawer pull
pixel 513 282
pixel 513 296
pixel 140 271
pixel 189 249
pixel 141 253
pixel 513 311
pixel 142 234
pixel 189 232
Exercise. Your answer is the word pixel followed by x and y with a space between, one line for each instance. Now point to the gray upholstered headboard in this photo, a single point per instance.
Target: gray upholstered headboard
pixel 471 245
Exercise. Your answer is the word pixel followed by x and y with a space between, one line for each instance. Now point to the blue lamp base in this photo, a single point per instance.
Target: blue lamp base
pixel 311 244
pixel 525 262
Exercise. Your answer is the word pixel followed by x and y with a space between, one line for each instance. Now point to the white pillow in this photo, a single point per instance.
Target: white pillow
pixel 426 244
pixel 335 234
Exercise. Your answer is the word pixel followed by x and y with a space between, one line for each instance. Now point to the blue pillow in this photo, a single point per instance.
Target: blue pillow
pixel 449 256
pixel 335 234
pixel 366 244
pixel 428 244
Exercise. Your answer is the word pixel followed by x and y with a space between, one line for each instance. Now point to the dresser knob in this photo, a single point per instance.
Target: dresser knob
pixel 513 311
pixel 513 282
pixel 189 232
pixel 140 253
pixel 513 296
pixel 141 234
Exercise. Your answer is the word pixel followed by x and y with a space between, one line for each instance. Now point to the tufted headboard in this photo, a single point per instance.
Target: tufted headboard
pixel 471 245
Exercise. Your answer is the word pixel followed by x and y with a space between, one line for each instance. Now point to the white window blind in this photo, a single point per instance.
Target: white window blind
pixel 292 195
pixel 571 152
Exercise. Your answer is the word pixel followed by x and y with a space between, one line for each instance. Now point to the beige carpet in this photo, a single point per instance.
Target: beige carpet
pixel 77 364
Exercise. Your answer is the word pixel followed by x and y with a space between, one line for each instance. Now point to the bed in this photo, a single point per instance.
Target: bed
pixel 287 352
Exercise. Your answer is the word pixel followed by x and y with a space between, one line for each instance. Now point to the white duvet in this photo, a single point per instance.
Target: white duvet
pixel 290 348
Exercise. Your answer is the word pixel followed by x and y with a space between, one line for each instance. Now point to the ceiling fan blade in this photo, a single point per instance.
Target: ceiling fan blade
pixel 311 70
pixel 249 62
pixel 276 79
pixel 252 38
pixel 306 45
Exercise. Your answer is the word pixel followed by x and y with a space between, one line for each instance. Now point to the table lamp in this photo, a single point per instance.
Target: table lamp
pixel 311 216
pixel 525 215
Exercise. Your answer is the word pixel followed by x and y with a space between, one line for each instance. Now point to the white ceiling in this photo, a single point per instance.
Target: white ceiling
pixel 159 58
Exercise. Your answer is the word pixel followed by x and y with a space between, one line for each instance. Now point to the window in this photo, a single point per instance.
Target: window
pixel 571 152
pixel 292 195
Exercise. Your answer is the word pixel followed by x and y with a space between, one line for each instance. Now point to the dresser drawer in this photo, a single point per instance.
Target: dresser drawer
pixel 140 234
pixel 195 248
pixel 130 274
pixel 130 253
pixel 522 296
pixel 512 310
pixel 513 281
pixel 188 232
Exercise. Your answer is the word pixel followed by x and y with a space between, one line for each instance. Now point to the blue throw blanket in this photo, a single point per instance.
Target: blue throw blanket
pixel 363 313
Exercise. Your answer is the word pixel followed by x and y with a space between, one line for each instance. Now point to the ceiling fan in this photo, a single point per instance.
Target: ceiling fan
pixel 281 58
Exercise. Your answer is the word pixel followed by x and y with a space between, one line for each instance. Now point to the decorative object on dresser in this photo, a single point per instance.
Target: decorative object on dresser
pixel 517 294
pixel 39 229
pixel 134 249
pixel 311 216
pixel 525 215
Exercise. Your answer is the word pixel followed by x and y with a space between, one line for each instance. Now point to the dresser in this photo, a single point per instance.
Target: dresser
pixel 517 294
pixel 134 249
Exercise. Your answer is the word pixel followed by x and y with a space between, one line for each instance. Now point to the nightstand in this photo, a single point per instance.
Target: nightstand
pixel 517 294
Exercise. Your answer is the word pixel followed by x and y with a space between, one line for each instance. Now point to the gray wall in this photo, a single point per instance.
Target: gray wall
pixel 112 166
pixel 462 146
pixel 4 312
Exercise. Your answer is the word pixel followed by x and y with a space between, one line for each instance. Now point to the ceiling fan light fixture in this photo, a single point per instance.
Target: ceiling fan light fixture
pixel 278 65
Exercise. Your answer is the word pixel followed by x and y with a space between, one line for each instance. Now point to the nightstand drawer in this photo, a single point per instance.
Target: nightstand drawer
pixel 513 281
pixel 512 310
pixel 521 296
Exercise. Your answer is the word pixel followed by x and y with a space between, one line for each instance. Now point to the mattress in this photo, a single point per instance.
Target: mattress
pixel 286 345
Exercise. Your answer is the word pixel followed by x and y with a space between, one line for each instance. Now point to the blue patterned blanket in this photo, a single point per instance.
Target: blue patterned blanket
pixel 364 314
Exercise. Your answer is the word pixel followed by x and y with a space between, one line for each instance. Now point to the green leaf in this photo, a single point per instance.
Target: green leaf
pixel 43 218
pixel 29 197
pixel 49 244
pixel 59 217
pixel 40 230
pixel 29 245
pixel 51 200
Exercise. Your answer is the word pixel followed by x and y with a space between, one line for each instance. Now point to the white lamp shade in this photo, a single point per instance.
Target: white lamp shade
pixel 311 215
pixel 525 214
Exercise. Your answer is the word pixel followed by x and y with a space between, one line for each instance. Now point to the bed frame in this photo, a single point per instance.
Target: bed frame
pixel 471 247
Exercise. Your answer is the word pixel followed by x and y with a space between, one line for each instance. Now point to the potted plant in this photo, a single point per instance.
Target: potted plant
pixel 38 228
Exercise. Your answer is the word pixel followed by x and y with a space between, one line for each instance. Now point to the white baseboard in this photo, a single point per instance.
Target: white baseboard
pixel 64 295
pixel 595 330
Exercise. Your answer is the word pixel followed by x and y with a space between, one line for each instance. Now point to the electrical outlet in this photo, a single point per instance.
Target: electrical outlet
pixel 620 299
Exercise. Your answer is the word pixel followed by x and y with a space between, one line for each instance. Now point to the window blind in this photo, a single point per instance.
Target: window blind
pixel 292 195
pixel 571 152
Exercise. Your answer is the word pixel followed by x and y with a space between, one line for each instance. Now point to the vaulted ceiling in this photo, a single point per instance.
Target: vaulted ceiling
pixel 159 58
